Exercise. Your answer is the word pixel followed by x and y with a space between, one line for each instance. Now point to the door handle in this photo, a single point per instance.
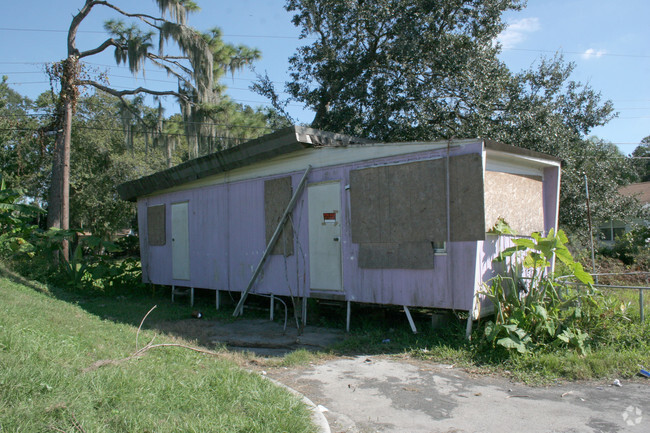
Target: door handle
pixel 336 239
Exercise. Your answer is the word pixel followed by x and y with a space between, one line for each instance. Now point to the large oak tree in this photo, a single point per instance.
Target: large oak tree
pixel 398 70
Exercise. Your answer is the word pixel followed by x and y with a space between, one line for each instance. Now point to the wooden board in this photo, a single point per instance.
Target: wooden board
pixel 277 195
pixel 396 209
pixel 413 255
pixel 467 213
pixel 156 232
pixel 518 199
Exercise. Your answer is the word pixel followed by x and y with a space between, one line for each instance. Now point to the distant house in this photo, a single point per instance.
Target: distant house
pixel 382 223
pixel 612 229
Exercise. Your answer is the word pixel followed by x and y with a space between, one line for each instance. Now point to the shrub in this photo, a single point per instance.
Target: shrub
pixel 628 246
pixel 536 312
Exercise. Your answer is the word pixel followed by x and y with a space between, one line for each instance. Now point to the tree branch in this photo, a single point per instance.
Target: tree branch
pixel 143 17
pixel 107 43
pixel 122 93
pixel 157 60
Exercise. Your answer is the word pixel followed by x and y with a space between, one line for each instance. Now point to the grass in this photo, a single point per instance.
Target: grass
pixel 104 328
pixel 616 350
pixel 48 344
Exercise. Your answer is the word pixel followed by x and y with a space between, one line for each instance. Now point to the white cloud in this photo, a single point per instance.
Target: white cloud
pixel 591 53
pixel 517 31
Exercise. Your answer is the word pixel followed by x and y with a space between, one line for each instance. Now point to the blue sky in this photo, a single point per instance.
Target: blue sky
pixel 607 40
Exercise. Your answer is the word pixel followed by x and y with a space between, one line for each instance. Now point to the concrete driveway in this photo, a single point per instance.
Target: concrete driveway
pixel 375 394
pixel 387 394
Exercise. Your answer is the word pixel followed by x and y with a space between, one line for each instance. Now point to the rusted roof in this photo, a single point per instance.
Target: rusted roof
pixel 268 146
pixel 640 191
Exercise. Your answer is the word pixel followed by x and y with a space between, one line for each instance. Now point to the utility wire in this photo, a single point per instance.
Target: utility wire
pixel 169 134
pixel 227 125
pixel 640 56
pixel 272 129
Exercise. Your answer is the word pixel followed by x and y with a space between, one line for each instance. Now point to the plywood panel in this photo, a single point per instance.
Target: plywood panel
pixel 518 199
pixel 406 204
pixel 277 195
pixel 416 202
pixel 412 255
pixel 369 204
pixel 467 215
pixel 156 225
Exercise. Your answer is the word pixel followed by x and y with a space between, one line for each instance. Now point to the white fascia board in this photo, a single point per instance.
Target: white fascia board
pixel 517 164
pixel 523 159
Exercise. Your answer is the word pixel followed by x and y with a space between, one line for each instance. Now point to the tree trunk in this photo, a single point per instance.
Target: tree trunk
pixel 59 196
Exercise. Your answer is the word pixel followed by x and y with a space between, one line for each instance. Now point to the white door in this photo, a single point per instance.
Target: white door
pixel 180 242
pixel 325 236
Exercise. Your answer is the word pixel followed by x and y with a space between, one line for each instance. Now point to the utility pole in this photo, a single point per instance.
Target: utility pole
pixel 591 233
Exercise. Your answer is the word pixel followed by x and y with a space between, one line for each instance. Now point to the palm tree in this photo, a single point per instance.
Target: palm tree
pixel 193 68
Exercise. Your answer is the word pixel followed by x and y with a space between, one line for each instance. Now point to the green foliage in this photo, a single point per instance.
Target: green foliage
pixel 23 162
pixel 395 69
pixel 627 247
pixel 642 166
pixel 398 70
pixel 53 377
pixel 16 222
pixel 535 312
pixel 501 227
pixel 93 266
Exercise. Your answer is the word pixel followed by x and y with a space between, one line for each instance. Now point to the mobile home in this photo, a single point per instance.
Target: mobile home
pixel 384 223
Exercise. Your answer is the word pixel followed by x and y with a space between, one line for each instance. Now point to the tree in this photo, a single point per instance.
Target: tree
pixel 23 161
pixel 544 110
pixel 398 70
pixel 642 160
pixel 192 64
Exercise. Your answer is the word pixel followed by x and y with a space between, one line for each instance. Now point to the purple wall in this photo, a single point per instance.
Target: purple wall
pixel 227 239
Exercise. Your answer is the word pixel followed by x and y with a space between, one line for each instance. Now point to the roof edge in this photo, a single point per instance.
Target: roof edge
pixel 277 143
pixel 498 146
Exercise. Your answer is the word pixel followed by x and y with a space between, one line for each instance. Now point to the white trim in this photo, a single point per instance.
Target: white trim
pixel 533 160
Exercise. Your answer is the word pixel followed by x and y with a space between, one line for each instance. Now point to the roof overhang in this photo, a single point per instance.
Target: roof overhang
pixel 278 143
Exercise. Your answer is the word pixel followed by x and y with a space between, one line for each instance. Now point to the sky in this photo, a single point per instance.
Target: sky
pixel 607 40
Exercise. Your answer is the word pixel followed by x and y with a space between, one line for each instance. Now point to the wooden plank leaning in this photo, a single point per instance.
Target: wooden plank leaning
pixel 271 244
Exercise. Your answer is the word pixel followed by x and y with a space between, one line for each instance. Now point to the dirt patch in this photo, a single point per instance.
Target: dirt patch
pixel 262 337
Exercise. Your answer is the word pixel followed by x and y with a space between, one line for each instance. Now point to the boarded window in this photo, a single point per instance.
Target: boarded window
pixel 518 199
pixel 411 255
pixel 156 225
pixel 277 195
pixel 397 211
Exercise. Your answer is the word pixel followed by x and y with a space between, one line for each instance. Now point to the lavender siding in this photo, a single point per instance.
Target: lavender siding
pixel 227 239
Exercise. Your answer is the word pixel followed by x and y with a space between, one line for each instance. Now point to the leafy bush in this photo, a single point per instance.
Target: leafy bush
pixel 16 222
pixel 628 246
pixel 534 311
pixel 92 266
pixel 129 246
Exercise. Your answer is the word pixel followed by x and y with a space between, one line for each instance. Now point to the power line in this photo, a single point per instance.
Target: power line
pixel 641 56
pixel 536 50
pixel 580 53
pixel 228 125
pixel 19 83
pixel 222 124
pixel 9 29
pixel 169 134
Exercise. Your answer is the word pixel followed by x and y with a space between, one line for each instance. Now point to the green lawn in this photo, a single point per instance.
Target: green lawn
pixel 47 346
